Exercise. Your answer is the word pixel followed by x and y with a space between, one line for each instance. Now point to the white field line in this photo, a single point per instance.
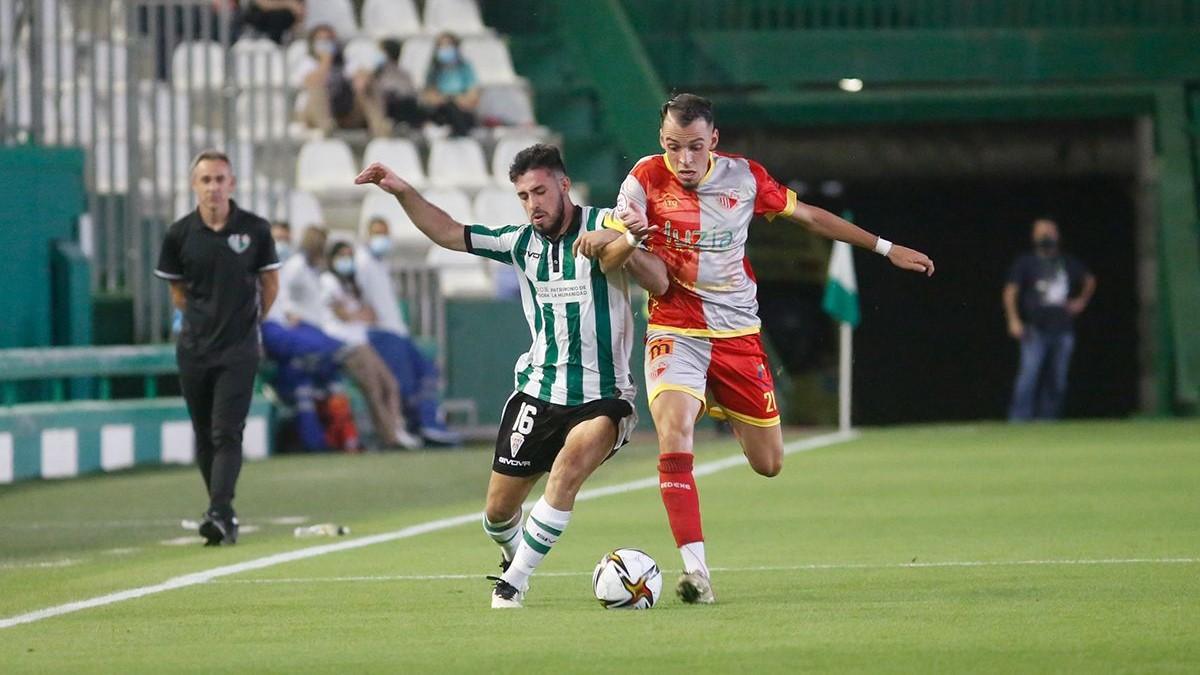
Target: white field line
pixel 781 568
pixel 206 576
pixel 39 564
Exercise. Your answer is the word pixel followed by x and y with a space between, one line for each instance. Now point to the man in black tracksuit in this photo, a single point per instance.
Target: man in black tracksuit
pixel 224 275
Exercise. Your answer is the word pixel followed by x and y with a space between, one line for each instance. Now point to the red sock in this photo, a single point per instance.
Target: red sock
pixel 680 497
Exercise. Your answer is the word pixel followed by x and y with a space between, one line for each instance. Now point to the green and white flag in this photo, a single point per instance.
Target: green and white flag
pixel 841 288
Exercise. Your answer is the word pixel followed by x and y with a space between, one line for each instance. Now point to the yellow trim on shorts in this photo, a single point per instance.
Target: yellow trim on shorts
pixel 705 332
pixel 679 387
pixel 718 412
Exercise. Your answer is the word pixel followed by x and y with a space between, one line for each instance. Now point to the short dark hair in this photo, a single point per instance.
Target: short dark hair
pixel 687 108
pixel 211 154
pixel 538 156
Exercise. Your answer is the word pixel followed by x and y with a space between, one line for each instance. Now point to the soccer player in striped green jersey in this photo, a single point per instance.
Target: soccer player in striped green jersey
pixel 572 407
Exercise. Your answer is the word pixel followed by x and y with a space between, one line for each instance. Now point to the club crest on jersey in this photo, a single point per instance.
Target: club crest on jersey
pixel 660 348
pixel 515 441
pixel 239 242
pixel 729 199
pixel 669 201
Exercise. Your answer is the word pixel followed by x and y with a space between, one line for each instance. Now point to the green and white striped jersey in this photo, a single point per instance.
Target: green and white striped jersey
pixel 579 318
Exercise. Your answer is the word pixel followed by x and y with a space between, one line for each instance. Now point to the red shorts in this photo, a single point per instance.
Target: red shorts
pixel 732 372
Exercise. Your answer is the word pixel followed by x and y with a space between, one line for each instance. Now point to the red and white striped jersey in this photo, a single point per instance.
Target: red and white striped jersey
pixel 702 240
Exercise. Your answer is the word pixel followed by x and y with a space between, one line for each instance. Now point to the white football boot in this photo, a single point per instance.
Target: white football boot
pixel 694 588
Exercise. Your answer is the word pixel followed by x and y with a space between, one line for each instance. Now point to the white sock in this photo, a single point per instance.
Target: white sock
pixel 693 557
pixel 543 527
pixel 507 534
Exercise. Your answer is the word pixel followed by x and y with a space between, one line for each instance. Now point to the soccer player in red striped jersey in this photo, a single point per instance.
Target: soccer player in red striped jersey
pixel 692 207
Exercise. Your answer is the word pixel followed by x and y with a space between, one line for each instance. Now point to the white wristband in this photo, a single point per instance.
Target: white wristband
pixel 632 240
pixel 882 246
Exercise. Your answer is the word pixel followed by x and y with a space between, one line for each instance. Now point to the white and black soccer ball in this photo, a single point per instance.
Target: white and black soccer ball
pixel 627 578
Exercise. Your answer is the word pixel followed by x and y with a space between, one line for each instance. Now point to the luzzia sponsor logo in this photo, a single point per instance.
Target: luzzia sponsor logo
pixel 697 240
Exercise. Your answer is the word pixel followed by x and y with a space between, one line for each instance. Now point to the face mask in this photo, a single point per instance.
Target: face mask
pixel 283 250
pixel 344 266
pixel 447 54
pixel 1046 244
pixel 380 245
pixel 324 46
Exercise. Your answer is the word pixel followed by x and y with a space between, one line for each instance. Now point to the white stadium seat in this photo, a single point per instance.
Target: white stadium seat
pixel 382 19
pixel 303 211
pixel 336 13
pixel 461 274
pixel 453 202
pixel 293 56
pixel 400 155
pixel 457 162
pixel 502 157
pixel 498 206
pixel 415 56
pixel 406 235
pixel 362 54
pixel 198 65
pixel 460 17
pixel 262 114
pixel 507 105
pixel 259 62
pixel 325 165
pixel 488 55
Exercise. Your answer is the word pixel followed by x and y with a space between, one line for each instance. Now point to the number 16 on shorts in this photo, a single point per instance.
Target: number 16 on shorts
pixel 521 427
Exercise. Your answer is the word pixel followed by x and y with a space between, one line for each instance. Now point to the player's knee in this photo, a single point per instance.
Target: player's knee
pixel 767 466
pixel 498 513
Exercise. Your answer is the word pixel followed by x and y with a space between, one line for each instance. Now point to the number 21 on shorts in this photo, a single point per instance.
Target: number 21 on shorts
pixel 769 399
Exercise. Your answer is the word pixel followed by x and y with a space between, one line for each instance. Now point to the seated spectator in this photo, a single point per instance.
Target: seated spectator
pixel 451 89
pixel 307 360
pixel 275 19
pixel 333 98
pixel 416 373
pixel 400 96
pixel 348 319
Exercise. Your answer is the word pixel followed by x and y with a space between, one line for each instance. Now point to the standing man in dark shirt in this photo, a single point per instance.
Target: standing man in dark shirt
pixel 1045 291
pixel 223 271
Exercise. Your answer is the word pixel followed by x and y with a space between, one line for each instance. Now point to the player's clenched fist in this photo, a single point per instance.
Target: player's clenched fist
pixel 633 216
pixel 384 177
pixel 908 259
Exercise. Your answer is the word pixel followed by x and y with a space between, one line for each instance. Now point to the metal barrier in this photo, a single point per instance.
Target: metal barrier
pixel 143 85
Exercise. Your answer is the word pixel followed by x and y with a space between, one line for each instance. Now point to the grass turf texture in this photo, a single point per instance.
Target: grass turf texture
pixel 837 526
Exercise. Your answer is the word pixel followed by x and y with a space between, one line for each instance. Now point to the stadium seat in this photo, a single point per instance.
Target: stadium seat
pixel 502 157
pixel 303 210
pixel 112 166
pixel 198 65
pixel 325 165
pixel 489 56
pixel 336 13
pixel 460 17
pixel 382 19
pixel 400 155
pixel 406 235
pixel 497 206
pixel 258 63
pixel 461 274
pixel 506 105
pixel 453 202
pixel 262 114
pixel 457 162
pixel 293 55
pixel 362 53
pixel 415 56
pixel 164 113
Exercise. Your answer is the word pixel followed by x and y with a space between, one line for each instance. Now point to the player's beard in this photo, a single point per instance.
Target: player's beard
pixel 554 228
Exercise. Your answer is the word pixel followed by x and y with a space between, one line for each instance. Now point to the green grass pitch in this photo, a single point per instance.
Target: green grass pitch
pixel 987 548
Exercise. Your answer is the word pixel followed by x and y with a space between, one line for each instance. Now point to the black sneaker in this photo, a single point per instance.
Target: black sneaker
pixel 505 595
pixel 217 529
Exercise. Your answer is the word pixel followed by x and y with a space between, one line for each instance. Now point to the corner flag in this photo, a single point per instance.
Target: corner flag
pixel 841 288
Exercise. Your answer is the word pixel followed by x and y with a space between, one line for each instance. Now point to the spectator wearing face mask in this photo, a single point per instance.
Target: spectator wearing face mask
pixel 451 88
pixel 1045 291
pixel 333 97
pixel 401 99
pixel 416 373
pixel 349 319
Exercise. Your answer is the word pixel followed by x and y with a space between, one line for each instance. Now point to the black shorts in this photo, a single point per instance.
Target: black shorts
pixel 532 431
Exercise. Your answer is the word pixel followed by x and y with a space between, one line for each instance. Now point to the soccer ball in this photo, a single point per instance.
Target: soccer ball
pixel 627 578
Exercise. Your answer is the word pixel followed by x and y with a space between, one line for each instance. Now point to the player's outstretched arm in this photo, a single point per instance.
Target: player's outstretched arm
pixel 429 219
pixel 822 222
